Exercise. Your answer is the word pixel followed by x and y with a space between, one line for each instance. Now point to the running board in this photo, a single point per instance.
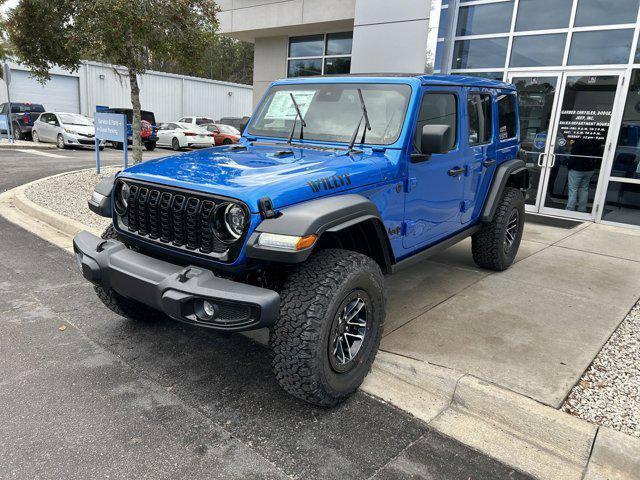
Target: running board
pixel 434 249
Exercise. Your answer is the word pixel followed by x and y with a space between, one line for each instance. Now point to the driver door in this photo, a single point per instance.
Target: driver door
pixel 435 183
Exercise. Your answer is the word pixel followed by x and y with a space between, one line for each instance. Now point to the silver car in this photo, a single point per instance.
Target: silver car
pixel 65 130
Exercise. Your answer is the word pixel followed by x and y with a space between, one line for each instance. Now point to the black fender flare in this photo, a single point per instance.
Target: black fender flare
pixel 100 200
pixel 510 172
pixel 316 217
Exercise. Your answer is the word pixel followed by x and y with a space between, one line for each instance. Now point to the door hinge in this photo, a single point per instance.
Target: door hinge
pixel 410 184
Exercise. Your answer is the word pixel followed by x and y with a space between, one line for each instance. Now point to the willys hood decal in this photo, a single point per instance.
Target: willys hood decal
pixel 286 174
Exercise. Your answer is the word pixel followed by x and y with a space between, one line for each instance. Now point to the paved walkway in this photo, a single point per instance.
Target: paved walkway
pixel 533 329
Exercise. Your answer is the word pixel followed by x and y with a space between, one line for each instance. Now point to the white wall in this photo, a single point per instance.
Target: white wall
pixel 168 96
pixel 389 39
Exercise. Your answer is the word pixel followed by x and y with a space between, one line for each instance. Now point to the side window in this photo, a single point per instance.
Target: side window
pixel 3 109
pixel 439 109
pixel 507 116
pixel 183 120
pixel 43 117
pixel 479 112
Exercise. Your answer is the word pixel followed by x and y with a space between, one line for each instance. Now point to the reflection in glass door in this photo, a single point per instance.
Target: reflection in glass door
pixel 578 146
pixel 537 101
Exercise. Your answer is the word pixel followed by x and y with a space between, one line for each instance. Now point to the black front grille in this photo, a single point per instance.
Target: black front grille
pixel 177 218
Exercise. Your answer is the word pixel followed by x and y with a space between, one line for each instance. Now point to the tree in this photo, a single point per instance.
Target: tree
pixel 129 33
pixel 4 42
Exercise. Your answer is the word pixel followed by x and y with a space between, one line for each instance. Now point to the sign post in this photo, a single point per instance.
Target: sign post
pixel 6 72
pixel 112 127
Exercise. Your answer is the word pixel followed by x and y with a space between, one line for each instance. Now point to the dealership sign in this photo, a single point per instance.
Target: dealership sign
pixel 111 127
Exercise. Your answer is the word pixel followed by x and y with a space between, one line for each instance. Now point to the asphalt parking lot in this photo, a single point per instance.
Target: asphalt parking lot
pixel 87 394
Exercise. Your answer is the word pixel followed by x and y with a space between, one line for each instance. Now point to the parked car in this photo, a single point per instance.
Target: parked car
pixel 65 130
pixel 196 120
pixel 295 232
pixel 22 116
pixel 149 131
pixel 239 123
pixel 223 134
pixel 184 135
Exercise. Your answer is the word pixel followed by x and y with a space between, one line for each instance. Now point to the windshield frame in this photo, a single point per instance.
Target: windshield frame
pixel 353 82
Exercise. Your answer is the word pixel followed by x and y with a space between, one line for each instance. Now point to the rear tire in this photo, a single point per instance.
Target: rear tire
pixel 311 360
pixel 175 145
pixel 496 244
pixel 17 133
pixel 34 137
pixel 123 306
pixel 150 146
pixel 226 141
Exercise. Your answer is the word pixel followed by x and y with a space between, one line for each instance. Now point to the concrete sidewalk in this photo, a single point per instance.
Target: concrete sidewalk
pixel 533 329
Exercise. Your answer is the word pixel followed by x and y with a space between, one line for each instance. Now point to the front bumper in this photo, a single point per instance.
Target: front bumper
pixel 175 290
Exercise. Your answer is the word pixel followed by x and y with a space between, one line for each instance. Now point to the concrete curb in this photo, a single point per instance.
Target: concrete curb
pixel 516 430
pixel 520 432
pixel 22 145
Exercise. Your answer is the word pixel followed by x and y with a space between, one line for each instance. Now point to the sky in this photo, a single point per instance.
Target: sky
pixel 10 4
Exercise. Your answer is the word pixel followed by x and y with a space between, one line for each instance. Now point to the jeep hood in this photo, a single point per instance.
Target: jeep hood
pixel 286 174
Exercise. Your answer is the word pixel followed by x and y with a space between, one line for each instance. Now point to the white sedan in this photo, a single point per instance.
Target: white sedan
pixel 65 130
pixel 183 135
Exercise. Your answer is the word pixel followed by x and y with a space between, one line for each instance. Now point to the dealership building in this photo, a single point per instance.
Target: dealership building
pixel 576 65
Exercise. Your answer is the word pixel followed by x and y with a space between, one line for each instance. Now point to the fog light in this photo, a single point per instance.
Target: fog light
pixel 206 310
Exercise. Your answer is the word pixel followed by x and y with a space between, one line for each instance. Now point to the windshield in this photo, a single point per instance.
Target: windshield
pixel 68 119
pixel 332 111
pixel 228 129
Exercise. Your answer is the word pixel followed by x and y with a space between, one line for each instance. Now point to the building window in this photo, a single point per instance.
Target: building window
pixel 606 12
pixel 600 47
pixel 485 18
pixel 327 54
pixel 543 14
pixel 538 50
pixel 481 53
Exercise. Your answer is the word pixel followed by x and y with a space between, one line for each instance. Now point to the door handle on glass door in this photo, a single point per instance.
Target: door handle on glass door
pixel 540 160
pixel 553 160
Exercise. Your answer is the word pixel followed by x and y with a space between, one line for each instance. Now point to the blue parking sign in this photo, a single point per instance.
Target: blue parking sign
pixel 112 127
pixel 4 125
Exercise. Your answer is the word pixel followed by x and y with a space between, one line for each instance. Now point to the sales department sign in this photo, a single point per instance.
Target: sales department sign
pixel 588 127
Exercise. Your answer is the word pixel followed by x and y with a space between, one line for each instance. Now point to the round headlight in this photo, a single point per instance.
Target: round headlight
pixel 234 220
pixel 122 198
pixel 229 222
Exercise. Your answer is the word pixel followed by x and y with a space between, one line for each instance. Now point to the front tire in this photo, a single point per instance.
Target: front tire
pixel 331 321
pixel 496 244
pixel 60 142
pixel 123 306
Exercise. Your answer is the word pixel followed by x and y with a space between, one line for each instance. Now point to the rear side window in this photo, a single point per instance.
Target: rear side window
pixel 507 116
pixel 439 109
pixel 479 110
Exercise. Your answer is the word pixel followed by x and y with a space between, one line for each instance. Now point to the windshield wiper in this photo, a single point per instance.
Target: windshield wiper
pixel 295 121
pixel 367 125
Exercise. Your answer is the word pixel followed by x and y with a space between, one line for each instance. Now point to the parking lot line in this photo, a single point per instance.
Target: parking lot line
pixel 44 154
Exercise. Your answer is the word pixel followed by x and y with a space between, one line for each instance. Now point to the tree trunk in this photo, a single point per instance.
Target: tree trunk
pixel 137 117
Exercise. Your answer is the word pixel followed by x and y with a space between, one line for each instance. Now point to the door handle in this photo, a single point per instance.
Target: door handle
pixel 540 160
pixel 457 171
pixel 553 160
pixel 488 163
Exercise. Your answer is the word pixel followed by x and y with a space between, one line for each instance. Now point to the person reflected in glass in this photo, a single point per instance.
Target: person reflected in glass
pixel 581 166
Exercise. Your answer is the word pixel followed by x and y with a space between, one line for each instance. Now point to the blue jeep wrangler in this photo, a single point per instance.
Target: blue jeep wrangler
pixel 337 182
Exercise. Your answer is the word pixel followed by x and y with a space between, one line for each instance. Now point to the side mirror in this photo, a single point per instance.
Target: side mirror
pixel 434 139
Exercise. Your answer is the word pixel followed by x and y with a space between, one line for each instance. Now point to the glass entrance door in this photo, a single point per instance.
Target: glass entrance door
pixel 578 146
pixel 538 95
